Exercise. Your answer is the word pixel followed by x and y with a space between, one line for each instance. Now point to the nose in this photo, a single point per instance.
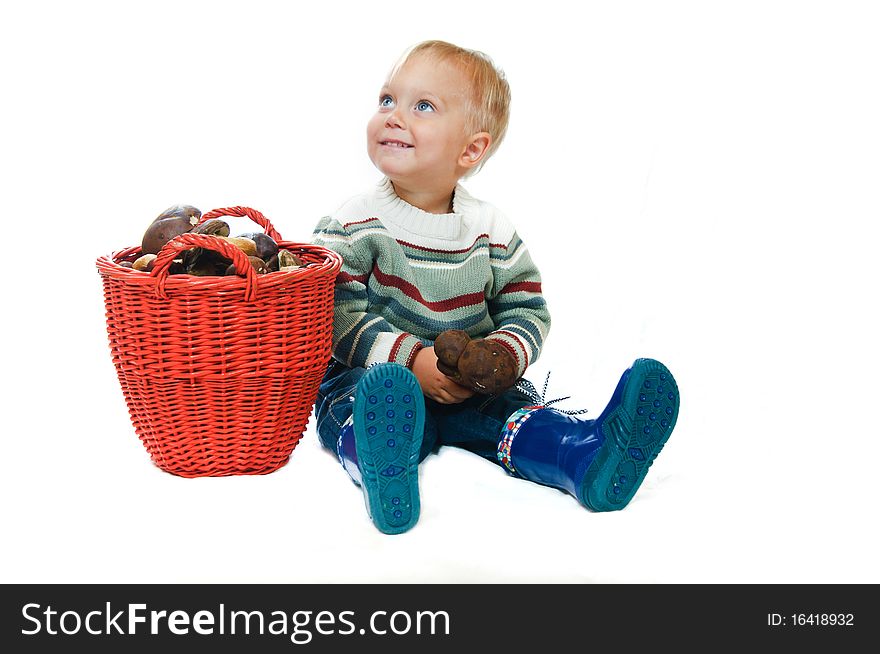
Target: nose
pixel 394 119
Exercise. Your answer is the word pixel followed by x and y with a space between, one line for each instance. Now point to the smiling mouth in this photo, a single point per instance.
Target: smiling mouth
pixel 395 144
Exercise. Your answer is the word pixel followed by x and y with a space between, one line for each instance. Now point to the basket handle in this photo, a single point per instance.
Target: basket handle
pixel 187 241
pixel 243 212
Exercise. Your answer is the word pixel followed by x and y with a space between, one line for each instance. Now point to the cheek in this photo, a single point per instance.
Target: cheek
pixel 374 124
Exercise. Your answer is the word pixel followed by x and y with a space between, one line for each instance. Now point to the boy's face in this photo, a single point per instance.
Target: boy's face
pixel 417 136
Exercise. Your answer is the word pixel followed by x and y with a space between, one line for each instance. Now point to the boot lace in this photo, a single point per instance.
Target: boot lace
pixel 528 388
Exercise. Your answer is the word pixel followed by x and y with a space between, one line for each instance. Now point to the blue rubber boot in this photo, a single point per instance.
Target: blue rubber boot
pixel 601 462
pixel 380 447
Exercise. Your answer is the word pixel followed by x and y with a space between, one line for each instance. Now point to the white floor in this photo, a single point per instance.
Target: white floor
pixel 756 485
pixel 697 187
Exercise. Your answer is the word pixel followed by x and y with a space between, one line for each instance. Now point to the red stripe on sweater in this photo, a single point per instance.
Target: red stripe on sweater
pixel 412 355
pixel 413 293
pixel 424 249
pixel 518 342
pixel 359 222
pixel 345 278
pixel 507 346
pixel 396 347
pixel 515 287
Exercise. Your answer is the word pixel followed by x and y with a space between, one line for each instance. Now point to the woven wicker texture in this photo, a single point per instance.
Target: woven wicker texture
pixel 220 374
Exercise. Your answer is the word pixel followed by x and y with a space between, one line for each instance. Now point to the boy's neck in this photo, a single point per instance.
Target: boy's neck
pixel 431 201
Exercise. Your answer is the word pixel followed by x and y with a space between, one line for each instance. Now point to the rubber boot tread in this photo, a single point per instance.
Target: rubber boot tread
pixel 635 432
pixel 389 414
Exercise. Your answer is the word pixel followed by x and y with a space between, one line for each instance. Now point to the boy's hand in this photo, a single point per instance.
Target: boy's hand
pixel 434 383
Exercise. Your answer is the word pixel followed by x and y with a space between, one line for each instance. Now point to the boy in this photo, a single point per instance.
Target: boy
pixel 421 256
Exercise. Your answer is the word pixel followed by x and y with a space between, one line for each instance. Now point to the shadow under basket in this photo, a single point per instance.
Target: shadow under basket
pixel 220 374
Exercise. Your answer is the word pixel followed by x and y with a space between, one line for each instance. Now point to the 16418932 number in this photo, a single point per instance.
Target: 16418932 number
pixel 811 620
pixel 822 619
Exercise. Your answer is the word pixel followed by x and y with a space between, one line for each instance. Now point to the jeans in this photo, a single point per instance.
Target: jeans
pixel 474 424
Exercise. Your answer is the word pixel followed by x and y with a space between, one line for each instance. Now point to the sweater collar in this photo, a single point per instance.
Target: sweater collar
pixel 445 226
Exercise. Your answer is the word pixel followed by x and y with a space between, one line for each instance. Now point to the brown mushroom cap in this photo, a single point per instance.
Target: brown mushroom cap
pixel 487 367
pixel 161 231
pixel 449 345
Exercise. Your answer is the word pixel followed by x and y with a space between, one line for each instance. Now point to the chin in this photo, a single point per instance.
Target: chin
pixel 390 170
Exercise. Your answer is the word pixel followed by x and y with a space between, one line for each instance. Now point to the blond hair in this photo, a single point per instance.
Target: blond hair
pixel 488 103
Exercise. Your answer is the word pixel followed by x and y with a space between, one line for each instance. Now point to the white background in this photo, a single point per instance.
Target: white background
pixel 699 183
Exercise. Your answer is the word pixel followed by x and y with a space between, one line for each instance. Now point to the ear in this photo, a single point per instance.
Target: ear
pixel 475 150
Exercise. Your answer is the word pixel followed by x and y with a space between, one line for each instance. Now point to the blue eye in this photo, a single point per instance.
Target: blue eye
pixel 386 101
pixel 424 105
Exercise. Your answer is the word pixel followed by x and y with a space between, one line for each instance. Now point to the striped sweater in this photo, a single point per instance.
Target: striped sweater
pixel 408 275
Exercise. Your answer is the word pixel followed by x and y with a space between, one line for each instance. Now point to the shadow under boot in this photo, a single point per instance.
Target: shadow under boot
pixel 601 462
pixel 379 447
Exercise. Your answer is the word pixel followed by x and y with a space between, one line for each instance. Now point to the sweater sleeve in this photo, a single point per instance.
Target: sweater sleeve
pixel 360 338
pixel 516 305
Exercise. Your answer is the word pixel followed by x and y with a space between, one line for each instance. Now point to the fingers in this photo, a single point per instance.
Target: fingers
pixel 460 392
pixel 442 397
pixel 448 392
pixel 452 373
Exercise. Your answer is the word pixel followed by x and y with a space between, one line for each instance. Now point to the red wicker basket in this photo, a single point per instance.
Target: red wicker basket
pixel 220 373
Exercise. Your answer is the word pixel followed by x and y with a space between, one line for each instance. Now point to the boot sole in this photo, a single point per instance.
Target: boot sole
pixel 635 431
pixel 389 415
